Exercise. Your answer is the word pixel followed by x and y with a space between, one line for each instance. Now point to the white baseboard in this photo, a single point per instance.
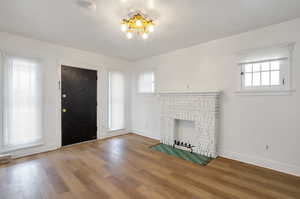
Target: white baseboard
pixel 23 153
pixel 143 133
pixel 262 162
pixel 113 134
pixel 44 148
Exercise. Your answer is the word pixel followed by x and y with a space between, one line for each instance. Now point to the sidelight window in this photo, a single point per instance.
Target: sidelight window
pixel 116 98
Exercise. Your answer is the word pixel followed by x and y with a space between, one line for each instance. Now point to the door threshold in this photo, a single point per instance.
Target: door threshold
pixel 84 142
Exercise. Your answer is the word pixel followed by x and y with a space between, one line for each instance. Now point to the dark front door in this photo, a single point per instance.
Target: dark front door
pixel 79 105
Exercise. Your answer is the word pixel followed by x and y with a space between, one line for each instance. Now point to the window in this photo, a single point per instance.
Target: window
pixel 266 70
pixel 116 112
pixel 264 74
pixel 146 82
pixel 22 104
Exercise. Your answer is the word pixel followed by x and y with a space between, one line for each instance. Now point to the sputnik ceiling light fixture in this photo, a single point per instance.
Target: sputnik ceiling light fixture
pixel 137 23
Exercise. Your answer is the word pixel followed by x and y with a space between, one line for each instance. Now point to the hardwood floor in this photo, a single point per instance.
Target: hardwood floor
pixel 125 167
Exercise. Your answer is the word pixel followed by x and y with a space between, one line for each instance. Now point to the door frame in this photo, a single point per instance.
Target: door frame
pixel 59 96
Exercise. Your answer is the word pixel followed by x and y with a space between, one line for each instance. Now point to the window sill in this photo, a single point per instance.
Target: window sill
pixel 22 147
pixel 264 92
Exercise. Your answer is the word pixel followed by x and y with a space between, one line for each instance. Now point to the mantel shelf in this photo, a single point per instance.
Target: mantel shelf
pixel 201 93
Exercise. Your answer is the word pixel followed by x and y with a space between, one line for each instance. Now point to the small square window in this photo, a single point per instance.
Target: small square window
pixel 264 74
pixel 266 70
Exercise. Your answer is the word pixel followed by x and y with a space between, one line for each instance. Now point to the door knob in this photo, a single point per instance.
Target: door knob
pixel 64 110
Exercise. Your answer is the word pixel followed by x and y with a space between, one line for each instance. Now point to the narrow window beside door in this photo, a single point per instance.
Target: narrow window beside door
pixel 116 112
pixel 22 110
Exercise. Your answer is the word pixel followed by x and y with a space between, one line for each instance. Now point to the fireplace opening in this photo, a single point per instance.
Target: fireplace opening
pixel 184 132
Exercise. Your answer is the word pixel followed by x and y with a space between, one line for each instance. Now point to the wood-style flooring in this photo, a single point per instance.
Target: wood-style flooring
pixel 125 168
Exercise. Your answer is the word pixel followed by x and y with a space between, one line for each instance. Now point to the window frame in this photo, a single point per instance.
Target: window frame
pixel 284 55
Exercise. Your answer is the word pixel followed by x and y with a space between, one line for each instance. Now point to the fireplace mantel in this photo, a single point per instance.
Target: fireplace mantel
pixel 199 93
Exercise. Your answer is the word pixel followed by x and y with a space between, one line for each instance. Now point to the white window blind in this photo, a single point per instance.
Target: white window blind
pixel 22 104
pixel 146 82
pixel 266 69
pixel 116 113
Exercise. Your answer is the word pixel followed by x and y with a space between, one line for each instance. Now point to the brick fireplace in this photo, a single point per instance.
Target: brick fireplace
pixel 197 110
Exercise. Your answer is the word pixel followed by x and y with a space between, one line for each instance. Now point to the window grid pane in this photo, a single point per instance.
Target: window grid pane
pixel 265 66
pixel 265 78
pixel 275 78
pixel 256 67
pixel 256 79
pixel 248 68
pixel 275 65
pixel 248 79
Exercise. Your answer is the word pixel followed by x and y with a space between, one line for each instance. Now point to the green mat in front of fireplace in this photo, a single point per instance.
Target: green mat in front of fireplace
pixel 182 154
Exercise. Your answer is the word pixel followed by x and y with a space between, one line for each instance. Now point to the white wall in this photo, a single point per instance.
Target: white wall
pixel 53 56
pixel 248 123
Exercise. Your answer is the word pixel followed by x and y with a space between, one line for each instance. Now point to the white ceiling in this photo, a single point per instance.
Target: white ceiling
pixel 180 23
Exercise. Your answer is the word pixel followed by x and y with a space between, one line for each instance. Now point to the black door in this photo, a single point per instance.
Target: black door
pixel 79 105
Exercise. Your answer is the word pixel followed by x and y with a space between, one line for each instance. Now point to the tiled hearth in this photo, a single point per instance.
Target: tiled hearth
pixel 202 108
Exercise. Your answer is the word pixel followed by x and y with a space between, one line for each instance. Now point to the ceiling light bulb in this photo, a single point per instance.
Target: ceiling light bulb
pixel 124 27
pixel 138 23
pixel 145 35
pixel 151 28
pixel 129 35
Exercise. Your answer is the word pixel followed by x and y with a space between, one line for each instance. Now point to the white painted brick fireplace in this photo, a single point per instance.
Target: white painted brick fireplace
pixel 201 108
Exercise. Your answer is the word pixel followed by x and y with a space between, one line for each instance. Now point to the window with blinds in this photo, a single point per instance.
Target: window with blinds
pixel 22 102
pixel 146 82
